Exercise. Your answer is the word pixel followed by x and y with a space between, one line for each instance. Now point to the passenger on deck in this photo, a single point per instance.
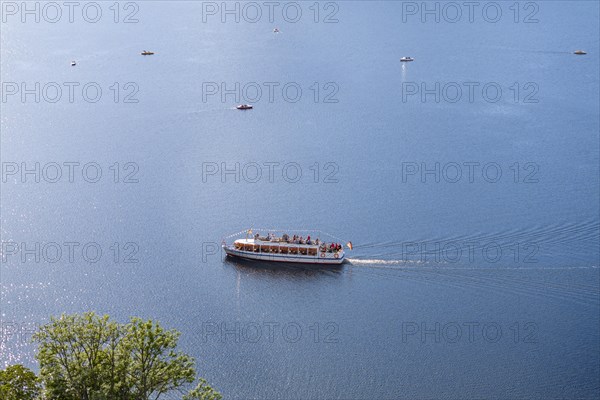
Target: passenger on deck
pixel 308 240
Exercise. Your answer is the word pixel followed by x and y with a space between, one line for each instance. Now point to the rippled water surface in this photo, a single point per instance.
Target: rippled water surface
pixel 475 223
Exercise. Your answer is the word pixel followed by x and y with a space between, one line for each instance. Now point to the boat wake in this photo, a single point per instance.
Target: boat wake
pixel 406 264
pixel 558 245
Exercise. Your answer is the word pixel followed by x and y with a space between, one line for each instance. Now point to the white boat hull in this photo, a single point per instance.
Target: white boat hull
pixel 321 258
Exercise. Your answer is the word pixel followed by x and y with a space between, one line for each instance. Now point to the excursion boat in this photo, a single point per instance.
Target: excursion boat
pixel 244 107
pixel 407 59
pixel 286 249
pixel 147 53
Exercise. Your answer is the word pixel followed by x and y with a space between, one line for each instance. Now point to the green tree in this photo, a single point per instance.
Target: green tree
pixel 155 367
pixel 90 357
pixel 203 392
pixel 19 383
pixel 74 355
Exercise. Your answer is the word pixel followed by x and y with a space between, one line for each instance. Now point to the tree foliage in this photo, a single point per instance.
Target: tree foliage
pixel 90 357
pixel 19 383
pixel 203 392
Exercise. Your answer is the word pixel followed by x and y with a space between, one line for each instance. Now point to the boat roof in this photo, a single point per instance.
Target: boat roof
pixel 264 242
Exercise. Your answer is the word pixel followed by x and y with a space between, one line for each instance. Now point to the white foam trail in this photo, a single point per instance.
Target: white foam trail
pixel 422 264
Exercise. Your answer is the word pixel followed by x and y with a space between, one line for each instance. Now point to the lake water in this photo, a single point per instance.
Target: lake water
pixel 467 181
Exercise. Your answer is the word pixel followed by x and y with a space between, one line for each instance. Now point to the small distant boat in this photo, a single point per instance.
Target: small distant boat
pixel 579 52
pixel 407 59
pixel 147 53
pixel 276 30
pixel 73 63
pixel 244 107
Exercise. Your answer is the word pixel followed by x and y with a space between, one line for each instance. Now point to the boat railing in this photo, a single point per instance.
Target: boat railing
pixel 285 248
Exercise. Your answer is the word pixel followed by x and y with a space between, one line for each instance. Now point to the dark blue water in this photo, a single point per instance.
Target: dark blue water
pixel 476 279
